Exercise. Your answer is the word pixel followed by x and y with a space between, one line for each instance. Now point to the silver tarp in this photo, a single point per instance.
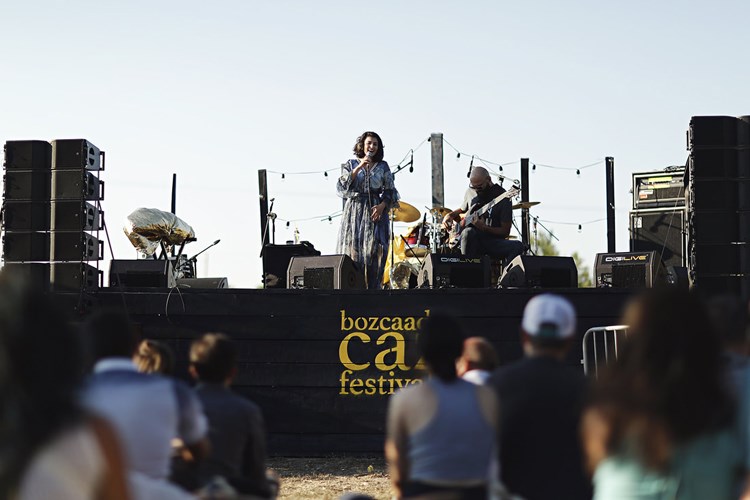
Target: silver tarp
pixel 146 227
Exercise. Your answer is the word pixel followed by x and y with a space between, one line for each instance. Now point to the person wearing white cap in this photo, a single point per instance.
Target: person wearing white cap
pixel 541 399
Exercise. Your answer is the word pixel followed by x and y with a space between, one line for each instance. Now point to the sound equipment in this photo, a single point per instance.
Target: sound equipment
pixel 56 276
pixel 58 246
pixel 543 271
pixel 77 215
pixel 712 132
pixel 659 189
pixel 449 271
pixel 202 283
pixel 28 155
pixel 26 216
pixel 661 230
pixel 141 273
pixel 325 272
pixel 629 270
pixel 276 261
pixel 75 154
pixel 76 185
pixel 31 185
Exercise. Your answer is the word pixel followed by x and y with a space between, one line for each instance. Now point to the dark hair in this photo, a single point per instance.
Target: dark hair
pixel 214 357
pixel 153 356
pixel 109 333
pixel 359 146
pixel 41 367
pixel 728 314
pixel 668 383
pixel 441 342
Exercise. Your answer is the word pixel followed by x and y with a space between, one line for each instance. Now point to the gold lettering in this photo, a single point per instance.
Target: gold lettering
pixel 356 382
pixel 409 324
pixel 370 384
pixel 344 351
pixel 357 324
pixel 346 321
pixel 382 323
pixel 373 323
pixel 397 325
pixel 343 379
pixel 399 351
pixel 426 315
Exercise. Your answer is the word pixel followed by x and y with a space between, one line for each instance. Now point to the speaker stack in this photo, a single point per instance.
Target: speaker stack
pixel 658 219
pixel 718 204
pixel 50 212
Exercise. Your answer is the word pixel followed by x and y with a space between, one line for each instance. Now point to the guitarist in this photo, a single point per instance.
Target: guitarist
pixel 488 234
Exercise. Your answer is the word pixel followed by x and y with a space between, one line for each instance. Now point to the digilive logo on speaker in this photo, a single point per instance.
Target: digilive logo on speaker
pixel 627 258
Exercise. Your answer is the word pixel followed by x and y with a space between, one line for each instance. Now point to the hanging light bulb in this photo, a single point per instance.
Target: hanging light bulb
pixel 458 155
pixel 283 176
pixel 325 174
pixel 411 169
pixel 579 228
pixel 287 223
pixel 330 219
pixel 533 166
pixel 501 168
pixel 578 172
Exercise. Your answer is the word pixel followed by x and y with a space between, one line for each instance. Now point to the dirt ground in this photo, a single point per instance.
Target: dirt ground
pixel 330 477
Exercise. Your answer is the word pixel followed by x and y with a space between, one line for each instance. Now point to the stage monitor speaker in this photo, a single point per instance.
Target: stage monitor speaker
pixel 543 271
pixel 450 271
pixel 76 185
pixel 276 261
pixel 33 185
pixel 629 270
pixel 26 216
pixel 660 230
pixel 28 155
pixel 203 283
pixel 325 272
pixel 141 273
pixel 75 154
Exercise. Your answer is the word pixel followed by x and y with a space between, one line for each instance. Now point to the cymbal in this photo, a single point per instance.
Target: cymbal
pixel 404 213
pixel 526 204
pixel 441 210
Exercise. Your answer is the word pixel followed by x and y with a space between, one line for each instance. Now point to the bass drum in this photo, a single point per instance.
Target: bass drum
pixel 404 275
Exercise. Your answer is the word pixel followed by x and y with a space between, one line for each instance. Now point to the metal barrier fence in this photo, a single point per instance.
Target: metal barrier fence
pixel 600 345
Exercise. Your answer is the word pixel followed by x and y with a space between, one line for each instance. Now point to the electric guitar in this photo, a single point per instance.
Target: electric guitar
pixel 472 217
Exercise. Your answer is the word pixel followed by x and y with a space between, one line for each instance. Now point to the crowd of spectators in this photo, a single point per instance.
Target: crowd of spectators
pixel 95 412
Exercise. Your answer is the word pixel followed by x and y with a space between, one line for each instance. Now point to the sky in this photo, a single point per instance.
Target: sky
pixel 216 91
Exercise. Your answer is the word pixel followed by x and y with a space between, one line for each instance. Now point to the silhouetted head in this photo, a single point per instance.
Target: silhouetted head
pixel 440 342
pixel 213 358
pixel 109 333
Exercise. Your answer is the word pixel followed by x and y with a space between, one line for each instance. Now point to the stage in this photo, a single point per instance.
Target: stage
pixel 321 363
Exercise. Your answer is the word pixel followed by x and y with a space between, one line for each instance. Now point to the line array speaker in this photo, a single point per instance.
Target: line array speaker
pixel 326 272
pixel 75 154
pixel 444 271
pixel 530 271
pixel 28 155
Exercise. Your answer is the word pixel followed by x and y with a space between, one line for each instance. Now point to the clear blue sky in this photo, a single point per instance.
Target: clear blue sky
pixel 215 91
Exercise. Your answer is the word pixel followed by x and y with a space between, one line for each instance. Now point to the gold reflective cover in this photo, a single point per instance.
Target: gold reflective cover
pixel 146 227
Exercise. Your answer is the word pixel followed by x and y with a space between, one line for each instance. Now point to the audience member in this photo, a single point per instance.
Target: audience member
pixel 541 400
pixel 146 410
pixel 728 314
pixel 659 424
pixel 477 360
pixel 49 446
pixel 441 433
pixel 236 429
pixel 153 356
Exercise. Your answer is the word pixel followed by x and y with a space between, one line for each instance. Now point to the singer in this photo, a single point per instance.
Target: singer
pixel 366 185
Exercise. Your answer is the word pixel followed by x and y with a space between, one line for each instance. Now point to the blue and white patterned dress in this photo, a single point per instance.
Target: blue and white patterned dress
pixel 365 241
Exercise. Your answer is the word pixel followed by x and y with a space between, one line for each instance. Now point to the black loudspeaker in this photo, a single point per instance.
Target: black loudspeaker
pixel 75 215
pixel 26 216
pixel 712 131
pixel 33 185
pixel 56 276
pixel 76 185
pixel 629 270
pixel 28 155
pixel 203 283
pixel 544 271
pixel 662 231
pixel 75 154
pixel 659 189
pixel 25 247
pixel 326 272
pixel 444 271
pixel 276 261
pixel 75 246
pixel 142 273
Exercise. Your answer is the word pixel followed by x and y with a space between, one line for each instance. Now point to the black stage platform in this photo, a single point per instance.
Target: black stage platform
pixel 321 363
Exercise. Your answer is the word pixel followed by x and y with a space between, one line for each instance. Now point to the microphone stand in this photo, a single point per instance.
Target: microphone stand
pixel 194 257
pixel 270 217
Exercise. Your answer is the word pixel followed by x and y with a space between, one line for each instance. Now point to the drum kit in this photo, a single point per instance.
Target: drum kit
pixel 409 249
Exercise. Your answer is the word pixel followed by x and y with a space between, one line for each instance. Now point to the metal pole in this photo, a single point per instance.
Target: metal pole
pixel 263 194
pixel 610 175
pixel 525 219
pixel 438 192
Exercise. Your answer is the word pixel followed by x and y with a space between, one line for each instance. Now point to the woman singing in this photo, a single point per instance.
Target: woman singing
pixel 366 184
